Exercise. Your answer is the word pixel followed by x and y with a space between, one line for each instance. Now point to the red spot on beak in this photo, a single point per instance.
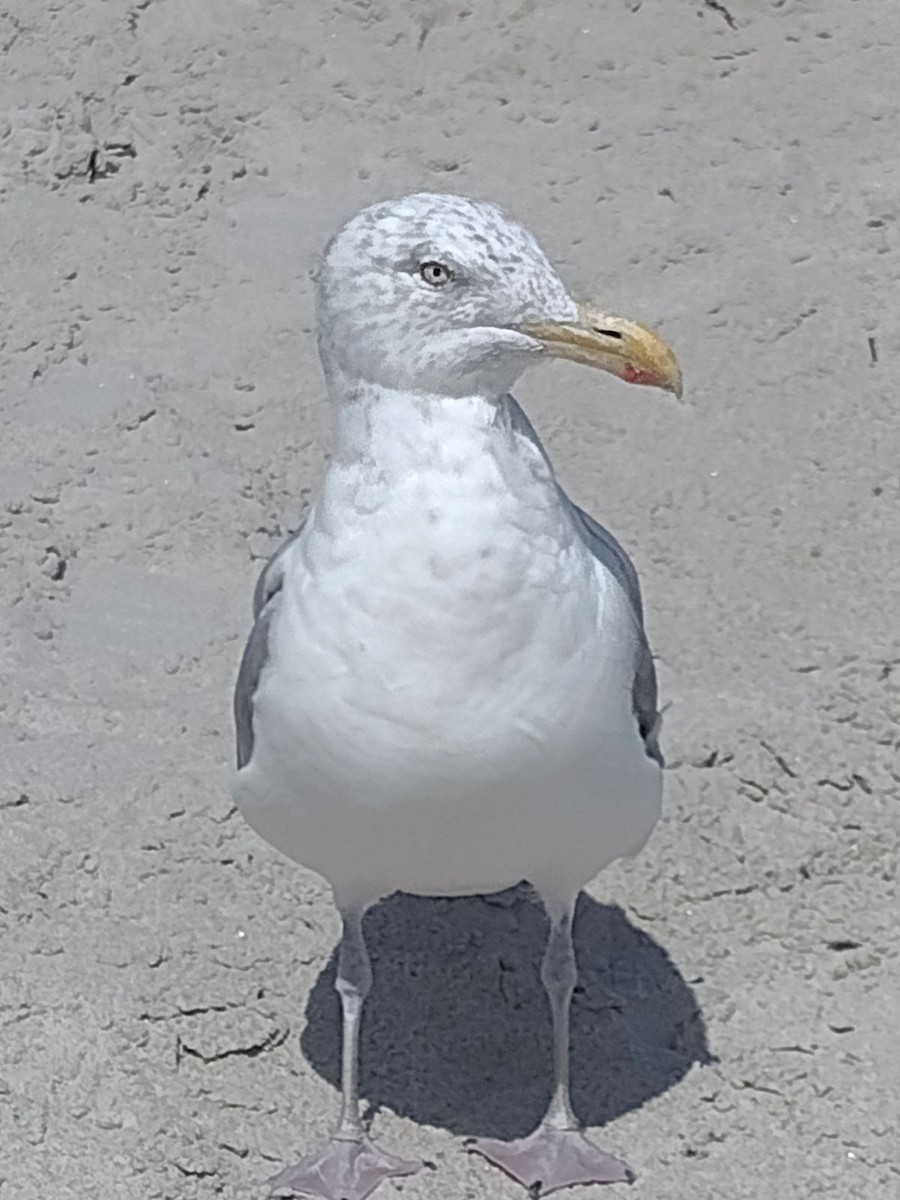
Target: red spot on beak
pixel 632 374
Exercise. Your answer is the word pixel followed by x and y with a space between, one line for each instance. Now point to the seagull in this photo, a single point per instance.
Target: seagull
pixel 448 688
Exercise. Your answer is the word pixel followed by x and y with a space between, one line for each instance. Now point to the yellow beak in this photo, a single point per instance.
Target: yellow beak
pixel 613 344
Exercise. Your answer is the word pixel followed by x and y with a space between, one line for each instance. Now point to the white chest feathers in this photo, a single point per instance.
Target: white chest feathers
pixel 447 700
pixel 450 611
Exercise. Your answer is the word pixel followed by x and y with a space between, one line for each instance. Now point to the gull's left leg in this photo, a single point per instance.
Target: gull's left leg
pixel 556 1154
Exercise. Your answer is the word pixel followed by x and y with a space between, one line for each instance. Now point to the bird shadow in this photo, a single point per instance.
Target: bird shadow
pixel 456 1031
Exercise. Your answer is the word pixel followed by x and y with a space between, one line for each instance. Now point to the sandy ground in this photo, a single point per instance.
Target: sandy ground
pixel 169 170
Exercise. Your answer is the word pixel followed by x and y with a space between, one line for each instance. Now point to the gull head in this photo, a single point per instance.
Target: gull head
pixel 439 294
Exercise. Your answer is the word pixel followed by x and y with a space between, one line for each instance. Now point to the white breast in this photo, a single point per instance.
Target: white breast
pixel 447 706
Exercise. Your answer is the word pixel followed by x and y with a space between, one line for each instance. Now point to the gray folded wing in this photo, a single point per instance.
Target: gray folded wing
pixel 266 597
pixel 607 551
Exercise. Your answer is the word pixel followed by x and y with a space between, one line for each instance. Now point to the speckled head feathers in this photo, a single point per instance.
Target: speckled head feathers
pixel 381 319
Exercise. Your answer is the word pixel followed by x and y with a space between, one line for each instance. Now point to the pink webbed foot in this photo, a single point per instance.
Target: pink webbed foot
pixel 343 1170
pixel 549 1159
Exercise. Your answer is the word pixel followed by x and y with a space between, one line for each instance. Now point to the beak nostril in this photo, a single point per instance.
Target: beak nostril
pixel 613 333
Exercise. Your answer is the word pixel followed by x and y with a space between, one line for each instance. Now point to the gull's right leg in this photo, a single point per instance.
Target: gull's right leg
pixel 349 1166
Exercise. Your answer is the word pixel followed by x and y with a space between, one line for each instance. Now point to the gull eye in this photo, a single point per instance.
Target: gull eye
pixel 435 273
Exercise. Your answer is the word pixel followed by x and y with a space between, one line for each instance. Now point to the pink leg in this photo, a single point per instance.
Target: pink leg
pixel 342 1170
pixel 556 1154
pixel 349 1166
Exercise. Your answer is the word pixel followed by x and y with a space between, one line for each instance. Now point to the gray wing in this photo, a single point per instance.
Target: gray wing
pixel 607 550
pixel 266 597
pixel 610 553
pixel 271 576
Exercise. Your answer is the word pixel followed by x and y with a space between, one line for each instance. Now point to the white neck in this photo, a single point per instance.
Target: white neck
pixel 398 453
pixel 398 433
pixel 439 520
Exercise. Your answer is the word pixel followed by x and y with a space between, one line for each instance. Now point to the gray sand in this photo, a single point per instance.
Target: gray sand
pixel 169 170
